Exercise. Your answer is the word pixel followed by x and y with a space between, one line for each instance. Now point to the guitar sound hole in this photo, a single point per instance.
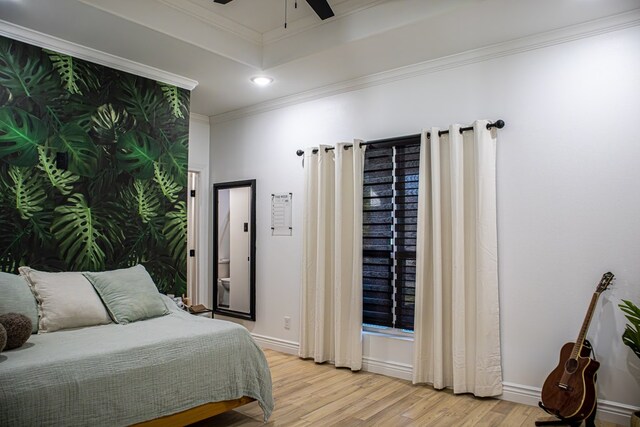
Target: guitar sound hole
pixel 571 365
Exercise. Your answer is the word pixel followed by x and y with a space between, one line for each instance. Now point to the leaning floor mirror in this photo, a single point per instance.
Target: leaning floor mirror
pixel 234 219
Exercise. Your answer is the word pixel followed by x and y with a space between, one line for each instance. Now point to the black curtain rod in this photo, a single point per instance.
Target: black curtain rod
pixel 408 139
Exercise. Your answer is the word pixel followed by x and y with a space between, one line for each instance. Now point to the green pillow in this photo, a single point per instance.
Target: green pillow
pixel 129 294
pixel 16 297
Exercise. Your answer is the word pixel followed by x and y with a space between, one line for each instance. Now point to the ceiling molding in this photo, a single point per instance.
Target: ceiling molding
pixel 213 38
pixel 341 10
pixel 199 117
pixel 205 15
pixel 538 41
pixel 46 41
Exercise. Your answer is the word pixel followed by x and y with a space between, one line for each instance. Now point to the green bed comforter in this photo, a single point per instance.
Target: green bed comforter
pixel 122 374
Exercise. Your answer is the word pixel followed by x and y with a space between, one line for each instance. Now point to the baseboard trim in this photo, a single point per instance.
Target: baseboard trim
pixel 276 344
pixel 615 412
pixel 390 369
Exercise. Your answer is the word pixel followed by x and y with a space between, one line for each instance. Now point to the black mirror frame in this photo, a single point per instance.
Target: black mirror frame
pixel 252 264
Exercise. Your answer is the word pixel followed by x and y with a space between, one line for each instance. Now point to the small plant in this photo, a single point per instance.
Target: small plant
pixel 631 336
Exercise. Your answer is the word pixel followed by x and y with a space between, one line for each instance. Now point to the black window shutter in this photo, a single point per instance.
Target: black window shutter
pixel 390 208
pixel 377 240
pixel 407 161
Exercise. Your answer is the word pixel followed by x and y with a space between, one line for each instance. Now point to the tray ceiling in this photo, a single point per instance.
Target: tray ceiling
pixel 222 46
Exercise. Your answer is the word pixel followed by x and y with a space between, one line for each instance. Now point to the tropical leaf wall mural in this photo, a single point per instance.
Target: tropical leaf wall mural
pixel 120 200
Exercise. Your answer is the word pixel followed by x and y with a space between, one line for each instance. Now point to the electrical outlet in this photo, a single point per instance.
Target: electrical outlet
pixel 287 322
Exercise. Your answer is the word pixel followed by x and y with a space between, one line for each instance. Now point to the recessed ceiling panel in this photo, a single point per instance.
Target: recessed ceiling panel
pixel 262 15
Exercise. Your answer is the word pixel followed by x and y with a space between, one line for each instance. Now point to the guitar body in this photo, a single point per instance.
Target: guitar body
pixel 570 390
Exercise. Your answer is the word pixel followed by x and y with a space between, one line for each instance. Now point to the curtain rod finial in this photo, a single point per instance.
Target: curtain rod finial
pixel 499 124
pixel 300 152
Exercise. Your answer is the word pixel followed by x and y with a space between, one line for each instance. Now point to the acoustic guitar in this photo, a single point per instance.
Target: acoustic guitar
pixel 569 392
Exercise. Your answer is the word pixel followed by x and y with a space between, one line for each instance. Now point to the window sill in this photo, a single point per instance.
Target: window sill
pixel 382 331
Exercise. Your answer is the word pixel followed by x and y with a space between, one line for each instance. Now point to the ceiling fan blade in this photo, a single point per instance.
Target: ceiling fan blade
pixel 322 8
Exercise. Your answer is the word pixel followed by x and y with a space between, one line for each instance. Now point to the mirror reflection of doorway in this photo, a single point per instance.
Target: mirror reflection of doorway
pixel 224 249
pixel 193 210
pixel 234 249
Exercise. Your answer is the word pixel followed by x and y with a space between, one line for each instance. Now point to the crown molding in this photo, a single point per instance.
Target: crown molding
pixel 199 117
pixel 308 22
pixel 513 47
pixel 46 41
pixel 226 40
pixel 213 19
pixel 341 10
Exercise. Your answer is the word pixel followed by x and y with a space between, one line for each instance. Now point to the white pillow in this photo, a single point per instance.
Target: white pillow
pixel 65 300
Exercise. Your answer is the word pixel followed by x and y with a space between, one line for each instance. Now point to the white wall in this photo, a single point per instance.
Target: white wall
pixel 568 193
pixel 199 162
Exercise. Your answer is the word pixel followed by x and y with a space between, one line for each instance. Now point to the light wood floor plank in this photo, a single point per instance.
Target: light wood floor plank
pixel 318 395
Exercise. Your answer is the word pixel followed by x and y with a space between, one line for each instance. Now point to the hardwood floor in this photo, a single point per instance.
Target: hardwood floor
pixel 308 394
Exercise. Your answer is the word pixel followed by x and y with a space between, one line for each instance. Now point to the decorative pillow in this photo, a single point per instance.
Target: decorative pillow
pixel 129 294
pixel 65 300
pixel 16 297
pixel 3 337
pixel 18 329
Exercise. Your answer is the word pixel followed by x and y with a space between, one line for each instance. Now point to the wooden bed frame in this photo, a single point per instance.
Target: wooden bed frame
pixel 196 414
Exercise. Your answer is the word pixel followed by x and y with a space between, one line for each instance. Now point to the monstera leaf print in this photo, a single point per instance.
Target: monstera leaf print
pixel 105 181
pixel 81 235
pixel 83 154
pixel 146 200
pixel 5 96
pixel 60 179
pixel 28 195
pixel 137 153
pixel 140 241
pixel 11 237
pixel 144 102
pixel 176 99
pixel 40 226
pixel 175 161
pixel 110 123
pixel 120 200
pixel 169 188
pixel 75 75
pixel 24 73
pixel 71 108
pixel 175 232
pixel 20 136
pixel 163 273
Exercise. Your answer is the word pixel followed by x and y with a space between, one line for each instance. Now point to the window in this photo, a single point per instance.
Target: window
pixel 390 206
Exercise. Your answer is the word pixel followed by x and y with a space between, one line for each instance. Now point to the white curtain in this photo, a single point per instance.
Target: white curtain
pixel 331 328
pixel 457 326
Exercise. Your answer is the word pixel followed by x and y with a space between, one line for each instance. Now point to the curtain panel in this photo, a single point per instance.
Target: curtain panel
pixel 331 318
pixel 457 327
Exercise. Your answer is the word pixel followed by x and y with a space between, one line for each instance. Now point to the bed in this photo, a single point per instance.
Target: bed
pixel 168 370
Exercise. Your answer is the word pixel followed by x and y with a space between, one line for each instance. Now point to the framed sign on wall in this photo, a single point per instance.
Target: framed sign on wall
pixel 281 214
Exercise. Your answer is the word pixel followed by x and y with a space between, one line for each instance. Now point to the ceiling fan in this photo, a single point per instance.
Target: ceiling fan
pixel 320 7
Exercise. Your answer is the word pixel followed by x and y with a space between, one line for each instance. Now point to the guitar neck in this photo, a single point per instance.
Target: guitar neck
pixel 577 348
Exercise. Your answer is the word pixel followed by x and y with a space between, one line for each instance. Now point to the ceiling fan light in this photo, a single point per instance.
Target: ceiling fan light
pixel 261 80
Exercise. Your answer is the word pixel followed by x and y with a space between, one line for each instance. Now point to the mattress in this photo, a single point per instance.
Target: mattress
pixel 123 374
